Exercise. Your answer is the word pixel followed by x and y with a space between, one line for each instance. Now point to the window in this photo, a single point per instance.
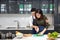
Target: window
pixel 44 7
pixel 51 8
pixel 3 8
pixel 24 8
pixel 47 6
pixel 21 8
pixel 27 8
pixel 13 6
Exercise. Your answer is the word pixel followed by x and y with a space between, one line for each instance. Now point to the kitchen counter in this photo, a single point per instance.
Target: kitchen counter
pixel 44 37
pixel 32 38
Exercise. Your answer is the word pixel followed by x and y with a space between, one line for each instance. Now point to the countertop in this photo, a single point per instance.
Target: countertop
pixel 44 37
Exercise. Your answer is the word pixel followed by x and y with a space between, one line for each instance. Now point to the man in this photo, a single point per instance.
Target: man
pixel 33 10
pixel 31 18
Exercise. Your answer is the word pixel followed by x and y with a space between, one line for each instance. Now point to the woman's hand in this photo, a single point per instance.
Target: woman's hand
pixel 36 29
pixel 41 33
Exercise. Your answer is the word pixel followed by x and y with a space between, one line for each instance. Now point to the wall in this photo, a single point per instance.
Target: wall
pixel 7 20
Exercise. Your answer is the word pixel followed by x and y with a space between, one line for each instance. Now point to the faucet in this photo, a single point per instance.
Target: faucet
pixel 17 23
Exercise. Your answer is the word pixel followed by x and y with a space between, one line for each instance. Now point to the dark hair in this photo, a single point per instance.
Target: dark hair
pixel 33 9
pixel 40 12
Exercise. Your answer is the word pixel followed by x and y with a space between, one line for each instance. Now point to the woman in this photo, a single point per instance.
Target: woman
pixel 40 23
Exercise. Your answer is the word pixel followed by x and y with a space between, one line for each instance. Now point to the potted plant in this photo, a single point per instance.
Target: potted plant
pixel 52 36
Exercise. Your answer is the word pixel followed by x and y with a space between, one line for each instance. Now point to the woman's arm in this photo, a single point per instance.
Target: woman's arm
pixel 41 33
pixel 45 28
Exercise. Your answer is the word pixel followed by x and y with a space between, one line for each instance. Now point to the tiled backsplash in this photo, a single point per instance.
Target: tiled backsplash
pixel 7 20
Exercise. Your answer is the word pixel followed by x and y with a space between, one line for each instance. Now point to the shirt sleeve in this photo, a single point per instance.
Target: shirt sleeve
pixel 47 24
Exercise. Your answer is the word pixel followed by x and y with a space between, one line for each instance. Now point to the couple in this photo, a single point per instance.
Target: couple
pixel 38 22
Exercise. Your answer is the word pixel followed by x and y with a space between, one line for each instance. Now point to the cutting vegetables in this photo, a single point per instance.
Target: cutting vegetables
pixel 40 23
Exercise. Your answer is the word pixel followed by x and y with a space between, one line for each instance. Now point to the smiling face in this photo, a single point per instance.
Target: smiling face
pixel 38 15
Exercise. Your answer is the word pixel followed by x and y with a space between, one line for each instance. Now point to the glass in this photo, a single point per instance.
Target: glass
pixel 13 35
pixel 2 36
pixel 9 35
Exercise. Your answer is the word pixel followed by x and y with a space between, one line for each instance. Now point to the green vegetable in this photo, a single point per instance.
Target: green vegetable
pixel 53 35
pixel 37 35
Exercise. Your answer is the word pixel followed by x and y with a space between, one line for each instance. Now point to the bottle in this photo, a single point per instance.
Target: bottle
pixel 9 35
pixel 0 35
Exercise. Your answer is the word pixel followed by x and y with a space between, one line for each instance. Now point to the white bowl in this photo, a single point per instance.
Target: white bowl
pixel 19 35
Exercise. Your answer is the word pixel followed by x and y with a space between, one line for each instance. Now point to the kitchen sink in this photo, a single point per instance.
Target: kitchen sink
pixel 11 27
pixel 20 28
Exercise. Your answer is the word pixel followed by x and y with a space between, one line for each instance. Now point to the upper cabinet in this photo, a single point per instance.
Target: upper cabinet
pixel 24 6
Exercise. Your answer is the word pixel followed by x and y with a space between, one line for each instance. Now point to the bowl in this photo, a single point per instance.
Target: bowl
pixel 19 35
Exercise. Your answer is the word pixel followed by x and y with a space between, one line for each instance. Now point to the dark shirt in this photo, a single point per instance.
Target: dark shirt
pixel 41 22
